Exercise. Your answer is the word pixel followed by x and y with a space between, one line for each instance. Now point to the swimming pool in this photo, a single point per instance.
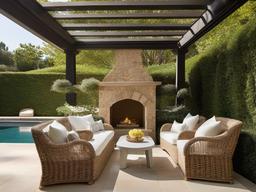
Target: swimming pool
pixel 15 135
pixel 16 132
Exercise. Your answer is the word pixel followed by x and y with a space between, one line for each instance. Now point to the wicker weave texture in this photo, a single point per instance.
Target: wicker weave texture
pixel 210 158
pixel 72 162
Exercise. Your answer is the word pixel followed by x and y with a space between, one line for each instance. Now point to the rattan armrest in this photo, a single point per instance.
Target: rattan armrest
pixel 85 134
pixel 166 127
pixel 108 126
pixel 201 145
pixel 77 149
pixel 186 135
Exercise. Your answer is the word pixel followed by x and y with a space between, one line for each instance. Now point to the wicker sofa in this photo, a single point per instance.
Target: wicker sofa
pixel 209 158
pixel 74 162
pixel 168 140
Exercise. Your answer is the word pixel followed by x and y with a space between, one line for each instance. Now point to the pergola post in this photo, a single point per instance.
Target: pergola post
pixel 180 68
pixel 71 73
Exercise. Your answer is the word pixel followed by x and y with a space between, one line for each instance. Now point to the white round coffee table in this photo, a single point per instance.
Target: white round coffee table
pixel 127 146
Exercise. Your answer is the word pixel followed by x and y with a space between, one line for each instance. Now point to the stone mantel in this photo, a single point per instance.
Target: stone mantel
pixel 130 83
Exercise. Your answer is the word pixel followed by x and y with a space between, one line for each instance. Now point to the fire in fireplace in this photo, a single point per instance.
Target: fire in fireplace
pixel 127 113
pixel 128 123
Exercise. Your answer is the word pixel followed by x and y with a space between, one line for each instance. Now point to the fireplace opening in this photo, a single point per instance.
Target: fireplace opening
pixel 126 114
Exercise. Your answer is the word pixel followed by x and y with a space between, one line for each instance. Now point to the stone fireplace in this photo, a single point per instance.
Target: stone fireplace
pixel 127 95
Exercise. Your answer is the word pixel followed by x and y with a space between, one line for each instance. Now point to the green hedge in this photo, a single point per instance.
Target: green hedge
pixel 32 89
pixel 223 83
pixel 20 90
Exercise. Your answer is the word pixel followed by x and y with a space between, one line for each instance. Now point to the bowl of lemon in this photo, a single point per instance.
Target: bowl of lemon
pixel 135 135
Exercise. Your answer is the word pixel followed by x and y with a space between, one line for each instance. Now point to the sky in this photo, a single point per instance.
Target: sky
pixel 12 34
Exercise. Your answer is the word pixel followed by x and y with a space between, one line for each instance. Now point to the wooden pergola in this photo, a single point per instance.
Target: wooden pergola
pixel 71 26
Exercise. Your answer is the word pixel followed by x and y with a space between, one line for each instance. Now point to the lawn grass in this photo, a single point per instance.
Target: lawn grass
pixel 81 69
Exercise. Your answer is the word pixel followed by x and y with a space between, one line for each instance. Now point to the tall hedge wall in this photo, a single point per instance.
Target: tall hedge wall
pixel 223 83
pixel 21 90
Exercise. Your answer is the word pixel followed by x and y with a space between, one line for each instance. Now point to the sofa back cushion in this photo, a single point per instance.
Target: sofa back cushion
pixel 191 121
pixel 81 122
pixel 178 127
pixel 211 127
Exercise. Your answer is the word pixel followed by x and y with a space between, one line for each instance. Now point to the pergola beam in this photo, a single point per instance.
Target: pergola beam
pixel 77 34
pixel 184 14
pixel 126 44
pixel 32 16
pixel 180 68
pixel 81 26
pixel 216 13
pixel 125 5
pixel 71 73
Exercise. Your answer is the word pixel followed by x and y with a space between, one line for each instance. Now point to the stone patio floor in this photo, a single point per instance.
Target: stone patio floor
pixel 20 171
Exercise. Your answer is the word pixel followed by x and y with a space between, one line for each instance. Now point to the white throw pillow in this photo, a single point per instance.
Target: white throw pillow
pixel 89 118
pixel 191 121
pixel 211 127
pixel 81 122
pixel 57 132
pixel 72 135
pixel 97 126
pixel 178 127
pixel 101 125
pixel 188 115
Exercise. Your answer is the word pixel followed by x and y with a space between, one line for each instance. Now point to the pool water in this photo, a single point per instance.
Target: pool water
pixel 15 135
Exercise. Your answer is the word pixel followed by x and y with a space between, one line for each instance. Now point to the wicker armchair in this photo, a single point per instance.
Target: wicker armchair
pixel 172 148
pixel 210 158
pixel 73 162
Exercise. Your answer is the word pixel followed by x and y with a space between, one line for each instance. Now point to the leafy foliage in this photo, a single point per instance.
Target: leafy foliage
pixel 28 57
pixel 231 24
pixel 222 81
pixel 62 86
pixel 4 68
pixel 80 110
pixel 157 57
pixel 6 57
pixel 89 84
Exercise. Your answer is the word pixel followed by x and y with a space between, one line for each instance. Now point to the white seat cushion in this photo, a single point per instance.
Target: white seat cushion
pixel 100 140
pixel 181 144
pixel 169 136
pixel 211 127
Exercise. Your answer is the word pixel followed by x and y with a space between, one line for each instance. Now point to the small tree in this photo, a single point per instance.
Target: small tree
pixel 6 57
pixel 28 57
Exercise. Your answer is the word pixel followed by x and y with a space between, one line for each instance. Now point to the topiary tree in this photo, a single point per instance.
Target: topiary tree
pixel 89 85
pixel 62 86
pixel 184 97
pixel 88 88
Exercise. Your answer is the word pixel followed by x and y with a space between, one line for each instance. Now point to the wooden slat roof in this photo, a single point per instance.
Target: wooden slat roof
pixel 172 24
